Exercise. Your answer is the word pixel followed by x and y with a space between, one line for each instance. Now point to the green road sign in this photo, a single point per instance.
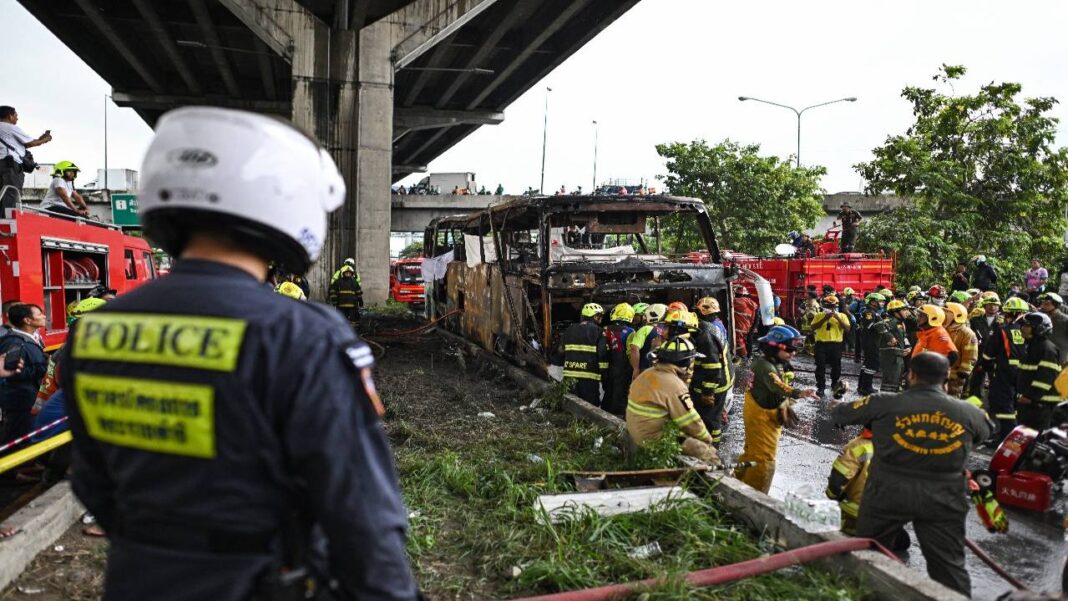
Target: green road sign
pixel 124 209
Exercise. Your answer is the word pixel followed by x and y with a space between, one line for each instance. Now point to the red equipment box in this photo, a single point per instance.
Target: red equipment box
pixel 1026 490
pixel 1011 450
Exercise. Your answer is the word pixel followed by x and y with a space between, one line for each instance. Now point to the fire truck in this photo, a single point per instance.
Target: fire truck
pixel 790 276
pixel 53 262
pixel 406 281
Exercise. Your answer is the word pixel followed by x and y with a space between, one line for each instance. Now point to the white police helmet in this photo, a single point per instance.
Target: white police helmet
pixel 259 178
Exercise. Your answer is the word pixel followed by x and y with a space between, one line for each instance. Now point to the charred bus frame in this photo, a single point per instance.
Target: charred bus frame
pixel 520 271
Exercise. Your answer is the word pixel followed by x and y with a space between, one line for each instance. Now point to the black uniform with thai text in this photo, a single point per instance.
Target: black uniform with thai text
pixel 585 359
pixel 217 425
pixel 922 439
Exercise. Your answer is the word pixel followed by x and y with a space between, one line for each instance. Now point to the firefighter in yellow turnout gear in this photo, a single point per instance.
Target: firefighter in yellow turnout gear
pixel 660 394
pixel 849 473
pixel 767 406
pixel 967 343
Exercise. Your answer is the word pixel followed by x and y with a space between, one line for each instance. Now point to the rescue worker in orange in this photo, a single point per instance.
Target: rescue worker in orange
pixel 932 336
pixel 660 394
pixel 962 336
pixel 745 310
pixel 768 406
pixel 849 473
pixel 586 354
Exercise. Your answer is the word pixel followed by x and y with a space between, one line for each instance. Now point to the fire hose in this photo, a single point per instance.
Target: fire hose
pixel 430 324
pixel 989 561
pixel 728 573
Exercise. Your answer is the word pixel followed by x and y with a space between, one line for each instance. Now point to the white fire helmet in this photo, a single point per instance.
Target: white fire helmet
pixel 255 177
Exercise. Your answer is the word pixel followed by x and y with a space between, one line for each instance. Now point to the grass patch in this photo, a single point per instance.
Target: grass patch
pixel 475 533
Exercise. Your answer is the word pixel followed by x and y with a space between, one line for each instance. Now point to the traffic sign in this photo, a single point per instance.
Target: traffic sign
pixel 124 209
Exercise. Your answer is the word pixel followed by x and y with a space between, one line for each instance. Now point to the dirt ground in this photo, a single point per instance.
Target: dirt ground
pixel 72 569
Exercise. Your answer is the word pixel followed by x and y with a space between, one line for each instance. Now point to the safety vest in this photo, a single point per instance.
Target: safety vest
pixel 831 330
pixel 850 473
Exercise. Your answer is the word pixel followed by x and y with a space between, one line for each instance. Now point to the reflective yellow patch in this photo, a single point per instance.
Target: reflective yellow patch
pixel 178 340
pixel 152 415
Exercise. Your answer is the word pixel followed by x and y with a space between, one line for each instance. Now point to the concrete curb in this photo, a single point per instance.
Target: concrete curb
pixel 888 579
pixel 42 522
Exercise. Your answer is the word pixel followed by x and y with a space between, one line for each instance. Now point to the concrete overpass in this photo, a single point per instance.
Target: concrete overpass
pixel 386 85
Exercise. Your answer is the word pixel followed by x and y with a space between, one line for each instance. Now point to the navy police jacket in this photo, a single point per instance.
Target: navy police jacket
pixel 206 409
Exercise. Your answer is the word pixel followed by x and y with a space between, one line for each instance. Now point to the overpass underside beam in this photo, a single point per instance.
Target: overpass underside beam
pixel 342 81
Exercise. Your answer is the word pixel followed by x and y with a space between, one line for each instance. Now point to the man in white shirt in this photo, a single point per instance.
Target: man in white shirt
pixel 13 145
pixel 61 197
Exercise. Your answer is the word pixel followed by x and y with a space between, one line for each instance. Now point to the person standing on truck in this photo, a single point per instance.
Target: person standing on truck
pixel 660 394
pixel 14 144
pixel 921 441
pixel 713 377
pixel 984 278
pixel 586 354
pixel 346 296
pixel 893 343
pixel 617 379
pixel 1039 368
pixel 1001 353
pixel 768 406
pixel 850 219
pixel 830 328
pixel 62 198
pixel 253 464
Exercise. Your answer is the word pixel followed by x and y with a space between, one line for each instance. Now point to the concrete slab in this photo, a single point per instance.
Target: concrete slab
pixel 42 522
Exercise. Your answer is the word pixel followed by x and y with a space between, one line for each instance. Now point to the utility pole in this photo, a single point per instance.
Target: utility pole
pixel 798 113
pixel 594 188
pixel 544 140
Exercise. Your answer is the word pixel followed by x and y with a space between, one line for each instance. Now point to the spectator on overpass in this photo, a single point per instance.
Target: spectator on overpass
pixel 62 198
pixel 14 155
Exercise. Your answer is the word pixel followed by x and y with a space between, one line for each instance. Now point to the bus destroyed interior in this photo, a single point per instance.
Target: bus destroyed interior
pixel 514 276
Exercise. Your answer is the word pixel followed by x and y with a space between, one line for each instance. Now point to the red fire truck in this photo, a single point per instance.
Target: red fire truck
pixel 406 281
pixel 53 262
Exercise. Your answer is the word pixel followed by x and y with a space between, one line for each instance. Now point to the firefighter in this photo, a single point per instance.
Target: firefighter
pixel 894 346
pixel 1001 353
pixel 849 218
pixel 1039 368
pixel 745 311
pixel 932 335
pixel 852 306
pixel 985 323
pixel 291 290
pixel 586 354
pixel 849 473
pixel 830 328
pixel 345 295
pixel 713 376
pixel 868 341
pixel 960 372
pixel 660 393
pixel 921 438
pixel 937 295
pixel 639 315
pixel 617 379
pixel 255 444
pixel 645 339
pixel 351 264
pixel 768 405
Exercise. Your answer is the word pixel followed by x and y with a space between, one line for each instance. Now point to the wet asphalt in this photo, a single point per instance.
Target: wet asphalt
pixel 1033 550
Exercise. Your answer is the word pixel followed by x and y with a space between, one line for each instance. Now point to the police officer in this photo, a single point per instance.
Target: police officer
pixel 255 439
pixel 586 354
pixel 922 438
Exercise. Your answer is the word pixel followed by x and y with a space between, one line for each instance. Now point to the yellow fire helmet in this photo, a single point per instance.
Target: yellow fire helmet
pixel 956 312
pixel 935 315
pixel 623 312
pixel 291 290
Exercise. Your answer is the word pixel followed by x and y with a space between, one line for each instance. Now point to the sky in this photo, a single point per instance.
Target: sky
pixel 668 70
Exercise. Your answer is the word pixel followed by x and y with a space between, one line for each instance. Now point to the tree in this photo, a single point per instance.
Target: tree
pixel 753 200
pixel 984 178
pixel 413 250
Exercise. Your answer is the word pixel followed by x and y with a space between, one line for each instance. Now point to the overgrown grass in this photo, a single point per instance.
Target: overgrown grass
pixel 475 532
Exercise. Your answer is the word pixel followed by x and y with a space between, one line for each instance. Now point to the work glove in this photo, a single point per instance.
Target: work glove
pixel 787 417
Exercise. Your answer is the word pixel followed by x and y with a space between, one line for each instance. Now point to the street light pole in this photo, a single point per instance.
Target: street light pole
pixel 593 189
pixel 544 140
pixel 798 113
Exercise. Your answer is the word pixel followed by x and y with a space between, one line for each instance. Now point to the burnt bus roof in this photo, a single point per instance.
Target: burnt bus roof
pixel 571 204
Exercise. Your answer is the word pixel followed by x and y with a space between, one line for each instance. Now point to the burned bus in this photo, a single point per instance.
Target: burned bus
pixel 514 276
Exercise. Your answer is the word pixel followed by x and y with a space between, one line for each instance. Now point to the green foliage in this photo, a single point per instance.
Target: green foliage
pixel 413 250
pixel 985 179
pixel 660 453
pixel 753 200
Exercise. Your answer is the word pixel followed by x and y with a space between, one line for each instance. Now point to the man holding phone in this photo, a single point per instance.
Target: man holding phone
pixel 13 146
pixel 20 390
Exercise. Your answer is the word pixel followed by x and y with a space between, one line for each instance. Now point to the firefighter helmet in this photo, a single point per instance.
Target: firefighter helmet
pixel 350 261
pixel 960 296
pixel 87 305
pixel 989 298
pixel 708 306
pixel 914 288
pixel 778 321
pixel 935 315
pixel 291 290
pixel 692 324
pixel 63 167
pixel 1052 297
pixel 678 305
pixel 972 291
pixel 677 351
pixel 639 308
pixel 830 301
pixel 1039 322
pixel 592 310
pixel 956 313
pixel 623 312
pixel 847 291
pixel 259 180
pixel 937 291
pixel 741 290
pixel 783 338
pixel 888 294
pixel 1015 305
pixel 896 305
pixel 675 316
pixel 874 297
pixel 655 313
